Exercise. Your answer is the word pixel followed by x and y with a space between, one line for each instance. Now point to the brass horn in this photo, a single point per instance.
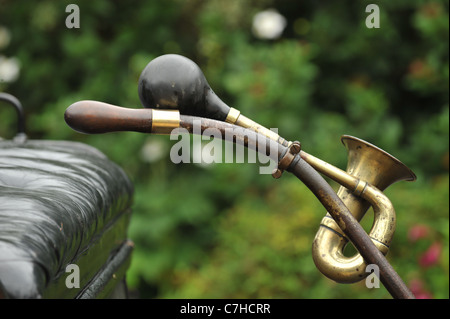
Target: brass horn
pixel 175 82
pixel 370 170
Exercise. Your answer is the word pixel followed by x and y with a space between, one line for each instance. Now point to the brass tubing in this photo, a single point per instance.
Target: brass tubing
pixel 352 229
pixel 235 117
pixel 368 168
pixel 336 174
pixel 330 241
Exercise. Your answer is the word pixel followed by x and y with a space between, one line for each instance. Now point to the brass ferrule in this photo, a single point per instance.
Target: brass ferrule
pixel 232 116
pixel 164 121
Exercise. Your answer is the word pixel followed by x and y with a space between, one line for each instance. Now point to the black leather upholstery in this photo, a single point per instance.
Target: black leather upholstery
pixel 60 203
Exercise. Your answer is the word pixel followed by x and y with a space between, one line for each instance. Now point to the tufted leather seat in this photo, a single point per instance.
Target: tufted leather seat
pixel 61 203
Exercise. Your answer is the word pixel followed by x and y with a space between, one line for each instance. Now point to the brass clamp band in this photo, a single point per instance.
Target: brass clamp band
pixel 360 187
pixel 286 160
pixel 164 121
pixel 232 116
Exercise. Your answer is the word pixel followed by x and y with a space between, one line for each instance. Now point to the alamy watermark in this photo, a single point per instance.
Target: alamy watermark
pixel 207 147
pixel 73 18
pixel 373 279
pixel 73 278
pixel 373 19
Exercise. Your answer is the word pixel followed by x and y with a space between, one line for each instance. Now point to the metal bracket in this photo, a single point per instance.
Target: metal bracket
pixel 286 159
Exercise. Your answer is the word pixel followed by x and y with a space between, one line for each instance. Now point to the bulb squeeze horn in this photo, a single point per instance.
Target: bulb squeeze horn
pixel 175 93
pixel 175 82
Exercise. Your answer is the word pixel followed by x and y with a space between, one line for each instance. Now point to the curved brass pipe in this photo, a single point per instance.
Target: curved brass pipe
pixel 369 171
pixel 329 243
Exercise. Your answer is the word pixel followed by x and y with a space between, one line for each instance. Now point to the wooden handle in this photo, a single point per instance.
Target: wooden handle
pixel 92 117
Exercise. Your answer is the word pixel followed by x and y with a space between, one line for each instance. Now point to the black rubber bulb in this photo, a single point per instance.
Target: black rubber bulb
pixel 173 81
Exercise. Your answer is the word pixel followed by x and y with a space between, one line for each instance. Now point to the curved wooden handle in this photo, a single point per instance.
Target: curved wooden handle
pixel 92 117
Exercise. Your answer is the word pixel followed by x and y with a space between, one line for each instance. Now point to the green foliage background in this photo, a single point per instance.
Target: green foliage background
pixel 223 230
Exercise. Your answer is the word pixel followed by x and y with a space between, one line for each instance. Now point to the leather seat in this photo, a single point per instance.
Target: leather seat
pixel 61 203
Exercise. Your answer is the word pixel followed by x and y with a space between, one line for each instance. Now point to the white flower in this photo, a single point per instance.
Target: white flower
pixel 268 24
pixel 153 150
pixel 9 69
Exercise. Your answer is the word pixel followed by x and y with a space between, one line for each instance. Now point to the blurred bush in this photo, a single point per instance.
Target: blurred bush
pixel 223 230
